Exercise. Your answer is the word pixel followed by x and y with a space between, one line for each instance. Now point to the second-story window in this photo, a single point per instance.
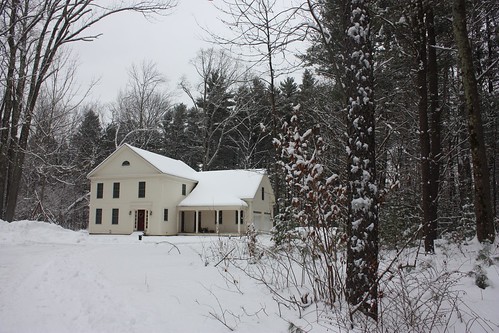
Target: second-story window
pixel 142 189
pixel 116 190
pixel 100 190
pixel 184 189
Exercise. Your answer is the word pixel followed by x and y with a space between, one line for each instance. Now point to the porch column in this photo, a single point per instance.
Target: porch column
pixel 178 220
pixel 217 212
pixel 196 221
pixel 238 220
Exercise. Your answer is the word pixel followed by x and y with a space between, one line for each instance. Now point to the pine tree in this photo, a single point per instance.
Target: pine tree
pixel 86 142
pixel 482 199
pixel 362 225
pixel 216 104
pixel 175 136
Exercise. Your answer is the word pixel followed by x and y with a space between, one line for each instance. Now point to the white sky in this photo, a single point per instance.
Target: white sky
pixel 170 42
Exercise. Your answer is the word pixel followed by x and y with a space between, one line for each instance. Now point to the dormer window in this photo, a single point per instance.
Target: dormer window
pixel 125 163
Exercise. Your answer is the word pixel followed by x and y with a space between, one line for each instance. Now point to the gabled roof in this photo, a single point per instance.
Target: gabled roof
pixel 161 163
pixel 214 188
pixel 224 188
pixel 165 164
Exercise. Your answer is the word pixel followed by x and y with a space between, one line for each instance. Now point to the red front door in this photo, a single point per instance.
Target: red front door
pixel 141 220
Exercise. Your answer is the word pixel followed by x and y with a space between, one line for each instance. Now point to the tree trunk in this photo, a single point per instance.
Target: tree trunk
pixel 482 199
pixel 362 224
pixel 435 120
pixel 424 134
pixel 7 107
pixel 37 31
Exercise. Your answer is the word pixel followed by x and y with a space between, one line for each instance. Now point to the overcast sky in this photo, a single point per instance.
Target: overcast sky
pixel 170 42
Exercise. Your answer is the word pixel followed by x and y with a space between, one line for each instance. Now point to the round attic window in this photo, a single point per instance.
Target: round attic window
pixel 125 163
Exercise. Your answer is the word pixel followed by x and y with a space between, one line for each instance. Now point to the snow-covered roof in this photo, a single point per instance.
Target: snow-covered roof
pixel 224 188
pixel 165 164
pixel 214 188
pixel 161 163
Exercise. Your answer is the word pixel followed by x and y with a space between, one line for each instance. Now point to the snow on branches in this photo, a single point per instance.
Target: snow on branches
pixel 314 208
pixel 313 196
pixel 362 225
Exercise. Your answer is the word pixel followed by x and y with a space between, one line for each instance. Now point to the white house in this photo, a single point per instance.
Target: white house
pixel 136 190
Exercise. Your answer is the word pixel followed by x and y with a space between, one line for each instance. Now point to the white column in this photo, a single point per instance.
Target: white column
pixel 217 213
pixel 178 220
pixel 196 221
pixel 239 221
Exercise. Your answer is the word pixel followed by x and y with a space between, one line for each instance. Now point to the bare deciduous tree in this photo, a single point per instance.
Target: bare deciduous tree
pixel 219 75
pixel 32 35
pixel 262 33
pixel 141 107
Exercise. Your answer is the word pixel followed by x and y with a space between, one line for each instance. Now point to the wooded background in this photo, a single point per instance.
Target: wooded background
pixel 426 165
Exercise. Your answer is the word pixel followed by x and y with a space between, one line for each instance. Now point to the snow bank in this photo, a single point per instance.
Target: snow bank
pixel 21 232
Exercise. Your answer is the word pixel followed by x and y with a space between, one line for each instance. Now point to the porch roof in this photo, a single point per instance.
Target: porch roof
pixel 227 188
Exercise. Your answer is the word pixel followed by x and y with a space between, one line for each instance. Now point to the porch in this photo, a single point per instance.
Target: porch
pixel 209 221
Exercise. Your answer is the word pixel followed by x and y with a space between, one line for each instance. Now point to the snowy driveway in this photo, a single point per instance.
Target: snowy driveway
pixel 54 280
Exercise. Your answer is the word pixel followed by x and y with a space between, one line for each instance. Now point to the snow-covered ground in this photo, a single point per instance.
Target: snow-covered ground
pixel 56 280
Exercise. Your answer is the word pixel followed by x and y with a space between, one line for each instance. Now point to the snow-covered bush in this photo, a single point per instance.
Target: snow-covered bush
pixel 309 225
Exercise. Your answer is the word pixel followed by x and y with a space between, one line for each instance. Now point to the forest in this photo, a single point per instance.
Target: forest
pixel 385 130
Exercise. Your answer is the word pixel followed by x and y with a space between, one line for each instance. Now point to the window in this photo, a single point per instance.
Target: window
pixel 116 213
pixel 116 190
pixel 100 190
pixel 184 189
pixel 165 215
pixel 263 193
pixel 142 189
pixel 125 163
pixel 241 217
pixel 220 217
pixel 98 216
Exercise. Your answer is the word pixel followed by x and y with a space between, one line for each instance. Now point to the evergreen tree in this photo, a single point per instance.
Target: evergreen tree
pixel 252 134
pixel 86 143
pixel 362 225
pixel 176 138
pixel 216 106
pixel 483 204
